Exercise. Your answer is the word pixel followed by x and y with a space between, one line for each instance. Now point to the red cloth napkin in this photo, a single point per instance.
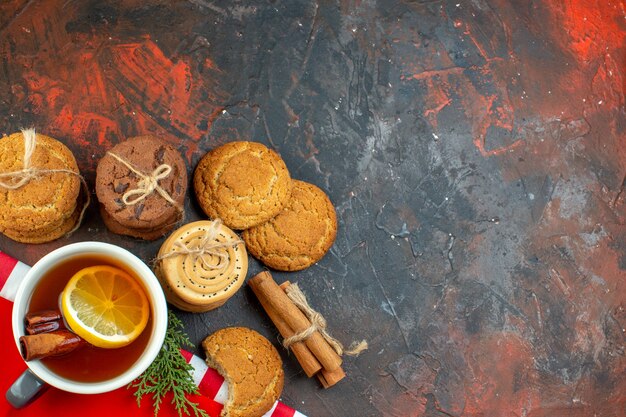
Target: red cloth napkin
pixel 120 402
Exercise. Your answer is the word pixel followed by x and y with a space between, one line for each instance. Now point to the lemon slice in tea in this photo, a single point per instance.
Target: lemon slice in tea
pixel 105 306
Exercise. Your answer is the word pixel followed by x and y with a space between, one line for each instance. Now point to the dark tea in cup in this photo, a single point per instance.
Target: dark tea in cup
pixel 88 370
pixel 87 363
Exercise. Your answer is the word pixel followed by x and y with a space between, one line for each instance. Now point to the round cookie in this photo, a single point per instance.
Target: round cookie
pixel 45 201
pixel 202 281
pixel 150 233
pixel 242 183
pixel 299 235
pixel 250 365
pixel 47 234
pixel 114 179
pixel 176 301
pixel 54 231
pixel 171 296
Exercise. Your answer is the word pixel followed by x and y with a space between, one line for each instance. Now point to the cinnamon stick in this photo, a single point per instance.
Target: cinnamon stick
pixel 43 321
pixel 306 359
pixel 46 327
pixel 267 290
pixel 54 343
pixel 328 379
pixel 42 316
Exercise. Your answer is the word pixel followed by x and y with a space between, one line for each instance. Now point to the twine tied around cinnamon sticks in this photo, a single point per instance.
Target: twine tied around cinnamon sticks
pixel 316 355
pixel 147 184
pixel 318 323
pixel 209 245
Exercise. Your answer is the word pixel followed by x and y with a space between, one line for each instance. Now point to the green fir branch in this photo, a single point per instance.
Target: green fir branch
pixel 169 372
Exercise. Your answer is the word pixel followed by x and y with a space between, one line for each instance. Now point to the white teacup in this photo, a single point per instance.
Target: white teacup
pixel 30 384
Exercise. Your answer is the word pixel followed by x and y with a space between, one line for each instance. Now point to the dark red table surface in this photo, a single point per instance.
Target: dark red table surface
pixel 475 152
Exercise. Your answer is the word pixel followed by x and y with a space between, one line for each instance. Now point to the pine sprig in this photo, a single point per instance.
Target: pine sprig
pixel 169 372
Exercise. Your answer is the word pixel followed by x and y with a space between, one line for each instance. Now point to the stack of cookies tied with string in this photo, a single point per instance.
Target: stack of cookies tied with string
pixel 287 224
pixel 42 195
pixel 201 265
pixel 141 185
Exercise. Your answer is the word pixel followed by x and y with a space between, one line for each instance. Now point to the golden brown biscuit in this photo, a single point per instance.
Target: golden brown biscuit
pixel 173 299
pixel 299 235
pixel 242 183
pixel 53 231
pixel 250 365
pixel 46 201
pixel 202 264
pixel 48 233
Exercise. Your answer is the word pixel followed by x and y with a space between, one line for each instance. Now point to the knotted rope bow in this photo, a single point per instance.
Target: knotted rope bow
pixel 27 173
pixel 318 324
pixel 147 184
pixel 19 178
pixel 209 245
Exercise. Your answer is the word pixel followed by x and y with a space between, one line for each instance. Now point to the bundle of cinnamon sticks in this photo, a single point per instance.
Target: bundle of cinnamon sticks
pixel 314 353
pixel 47 336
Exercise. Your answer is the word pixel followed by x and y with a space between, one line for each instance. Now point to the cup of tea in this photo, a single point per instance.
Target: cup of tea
pixel 88 369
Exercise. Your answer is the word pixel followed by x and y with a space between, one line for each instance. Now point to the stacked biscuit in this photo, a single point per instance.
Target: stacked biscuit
pixel 41 193
pixel 201 265
pixel 141 185
pixel 287 224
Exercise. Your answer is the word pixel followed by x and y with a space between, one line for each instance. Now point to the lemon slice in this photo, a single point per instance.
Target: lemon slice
pixel 105 306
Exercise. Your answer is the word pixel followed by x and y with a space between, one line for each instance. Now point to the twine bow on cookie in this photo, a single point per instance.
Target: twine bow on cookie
pixel 318 324
pixel 23 176
pixel 19 178
pixel 147 184
pixel 209 245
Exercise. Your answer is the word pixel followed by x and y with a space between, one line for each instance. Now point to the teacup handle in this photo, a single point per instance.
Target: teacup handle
pixel 26 389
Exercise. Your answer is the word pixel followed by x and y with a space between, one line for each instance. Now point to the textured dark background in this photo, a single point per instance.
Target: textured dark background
pixel 475 152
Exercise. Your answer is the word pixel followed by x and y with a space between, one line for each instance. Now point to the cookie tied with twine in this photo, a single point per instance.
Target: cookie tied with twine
pixel 147 184
pixel 141 185
pixel 43 196
pixel 201 265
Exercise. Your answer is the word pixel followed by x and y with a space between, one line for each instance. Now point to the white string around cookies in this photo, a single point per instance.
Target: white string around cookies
pixel 208 245
pixel 21 177
pixel 147 184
